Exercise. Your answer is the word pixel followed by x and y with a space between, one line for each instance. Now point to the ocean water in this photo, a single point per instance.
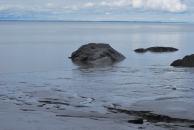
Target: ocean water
pixel 34 63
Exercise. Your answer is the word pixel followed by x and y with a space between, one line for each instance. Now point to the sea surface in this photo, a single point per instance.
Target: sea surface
pixel 34 64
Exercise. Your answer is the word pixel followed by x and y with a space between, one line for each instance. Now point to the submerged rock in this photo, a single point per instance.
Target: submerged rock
pixel 140 50
pixel 156 49
pixel 162 49
pixel 191 126
pixel 152 117
pixel 136 121
pixel 96 54
pixel 187 61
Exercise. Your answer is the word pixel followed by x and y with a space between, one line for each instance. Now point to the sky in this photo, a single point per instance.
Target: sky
pixel 98 10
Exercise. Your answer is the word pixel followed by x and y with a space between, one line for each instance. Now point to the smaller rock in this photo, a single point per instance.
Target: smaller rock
pixel 156 49
pixel 177 63
pixel 187 61
pixel 173 88
pixel 191 126
pixel 136 121
pixel 162 49
pixel 141 127
pixel 140 50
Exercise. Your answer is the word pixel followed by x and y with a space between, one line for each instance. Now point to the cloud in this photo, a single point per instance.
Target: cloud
pixel 174 6
pixel 115 3
pixel 164 5
pixel 8 7
pixel 89 5
pixel 161 5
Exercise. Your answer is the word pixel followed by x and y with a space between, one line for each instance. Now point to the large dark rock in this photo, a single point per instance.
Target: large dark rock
pixel 96 54
pixel 156 49
pixel 187 61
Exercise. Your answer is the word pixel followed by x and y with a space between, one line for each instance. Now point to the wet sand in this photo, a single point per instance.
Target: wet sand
pixel 14 118
pixel 60 113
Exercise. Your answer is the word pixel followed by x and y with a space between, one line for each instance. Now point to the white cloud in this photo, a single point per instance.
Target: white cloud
pixel 89 5
pixel 175 6
pixel 115 3
pixel 164 5
pixel 8 7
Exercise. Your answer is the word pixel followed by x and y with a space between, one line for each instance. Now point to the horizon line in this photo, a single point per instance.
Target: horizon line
pixel 126 21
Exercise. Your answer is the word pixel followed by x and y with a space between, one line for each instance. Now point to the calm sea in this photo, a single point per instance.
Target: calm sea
pixel 34 58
